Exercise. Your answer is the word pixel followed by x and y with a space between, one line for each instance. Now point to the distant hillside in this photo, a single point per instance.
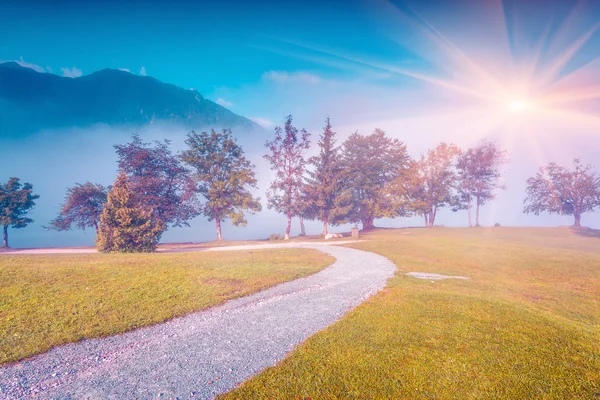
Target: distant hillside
pixel 31 101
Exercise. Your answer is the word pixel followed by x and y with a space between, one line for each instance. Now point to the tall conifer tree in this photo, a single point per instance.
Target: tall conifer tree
pixel 126 225
pixel 324 195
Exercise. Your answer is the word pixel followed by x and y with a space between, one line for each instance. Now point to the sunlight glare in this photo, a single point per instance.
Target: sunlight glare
pixel 520 105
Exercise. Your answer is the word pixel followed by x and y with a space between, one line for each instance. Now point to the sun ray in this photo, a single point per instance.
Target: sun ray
pixel 463 65
pixel 519 86
pixel 577 117
pixel 537 52
pixel 589 93
pixel 560 62
pixel 445 83
pixel 456 54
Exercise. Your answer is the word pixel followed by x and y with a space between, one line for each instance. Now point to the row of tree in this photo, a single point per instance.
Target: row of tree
pixel 156 189
pixel 365 178
pixel 373 176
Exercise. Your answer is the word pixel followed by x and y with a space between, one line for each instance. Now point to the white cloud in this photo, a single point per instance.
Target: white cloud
pixel 287 77
pixel 222 102
pixel 124 69
pixel 265 123
pixel 49 69
pixel 71 73
pixel 143 71
pixel 25 64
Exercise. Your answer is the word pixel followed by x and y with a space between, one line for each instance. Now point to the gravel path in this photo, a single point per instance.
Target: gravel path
pixel 205 353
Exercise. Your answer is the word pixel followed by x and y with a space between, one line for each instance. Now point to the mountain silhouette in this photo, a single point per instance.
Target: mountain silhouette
pixel 31 101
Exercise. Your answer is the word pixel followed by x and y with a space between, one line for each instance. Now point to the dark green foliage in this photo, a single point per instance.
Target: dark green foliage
pixel 82 207
pixel 223 177
pixel 371 163
pixel 325 196
pixel 16 200
pixel 127 225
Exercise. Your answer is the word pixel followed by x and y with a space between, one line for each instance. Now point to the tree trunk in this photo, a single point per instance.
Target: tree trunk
pixel 96 226
pixel 477 212
pixel 367 224
pixel 302 228
pixel 288 228
pixel 5 236
pixel 469 212
pixel 219 237
pixel 577 223
pixel 431 221
pixel 325 226
pixel 426 216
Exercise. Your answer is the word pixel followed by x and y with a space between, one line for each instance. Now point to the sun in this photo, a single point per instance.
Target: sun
pixel 520 105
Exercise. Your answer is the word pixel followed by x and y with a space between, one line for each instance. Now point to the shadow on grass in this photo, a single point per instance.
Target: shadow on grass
pixel 586 232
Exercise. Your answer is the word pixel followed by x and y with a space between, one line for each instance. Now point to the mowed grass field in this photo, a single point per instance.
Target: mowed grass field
pixel 525 326
pixel 48 300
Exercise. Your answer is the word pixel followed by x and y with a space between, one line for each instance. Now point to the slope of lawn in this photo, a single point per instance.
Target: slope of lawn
pixel 47 300
pixel 526 325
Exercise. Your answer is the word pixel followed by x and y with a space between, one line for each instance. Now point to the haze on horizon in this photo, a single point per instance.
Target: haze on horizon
pixel 423 71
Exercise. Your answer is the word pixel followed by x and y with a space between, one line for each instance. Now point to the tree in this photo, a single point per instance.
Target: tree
pixel 370 164
pixel 158 180
pixel 431 182
pixel 557 190
pixel 465 183
pixel 286 156
pixel 479 176
pixel 324 194
pixel 223 176
pixel 82 207
pixel 126 224
pixel 16 201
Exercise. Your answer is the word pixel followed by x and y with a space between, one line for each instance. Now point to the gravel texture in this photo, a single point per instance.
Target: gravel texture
pixel 205 353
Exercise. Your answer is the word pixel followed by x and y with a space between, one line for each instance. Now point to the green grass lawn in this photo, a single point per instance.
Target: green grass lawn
pixel 526 325
pixel 47 300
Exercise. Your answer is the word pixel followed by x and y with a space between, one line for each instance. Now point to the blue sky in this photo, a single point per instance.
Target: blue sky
pixel 424 71
pixel 243 52
pixel 219 48
pixel 200 44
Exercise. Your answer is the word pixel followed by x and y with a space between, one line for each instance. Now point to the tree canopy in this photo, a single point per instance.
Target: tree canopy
pixel 16 201
pixel 371 163
pixel 325 196
pixel 82 207
pixel 126 224
pixel 557 190
pixel 479 173
pixel 286 156
pixel 159 180
pixel 431 182
pixel 223 177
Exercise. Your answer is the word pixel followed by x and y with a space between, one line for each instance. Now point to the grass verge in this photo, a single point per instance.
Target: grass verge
pixel 55 299
pixel 526 325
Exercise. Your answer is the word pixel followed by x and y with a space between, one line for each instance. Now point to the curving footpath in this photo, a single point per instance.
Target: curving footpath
pixel 205 353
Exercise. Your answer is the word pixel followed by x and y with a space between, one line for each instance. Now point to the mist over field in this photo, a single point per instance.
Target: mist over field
pixel 55 160
pixel 425 72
